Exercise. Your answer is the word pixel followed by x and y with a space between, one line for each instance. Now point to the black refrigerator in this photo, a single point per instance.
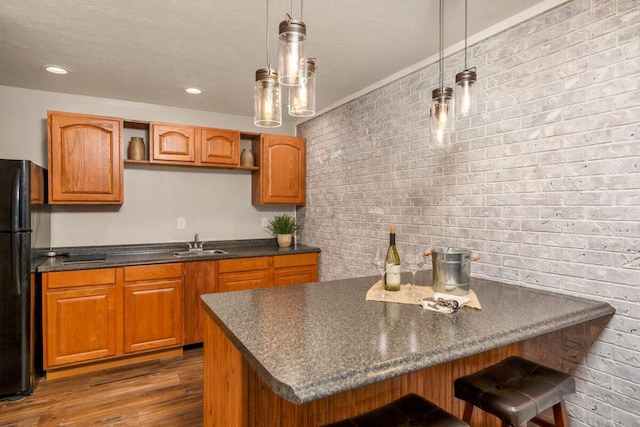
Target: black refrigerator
pixel 25 229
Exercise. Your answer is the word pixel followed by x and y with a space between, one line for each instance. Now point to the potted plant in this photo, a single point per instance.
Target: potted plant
pixel 283 227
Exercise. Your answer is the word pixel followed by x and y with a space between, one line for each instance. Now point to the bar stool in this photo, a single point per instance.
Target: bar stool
pixel 516 390
pixel 409 410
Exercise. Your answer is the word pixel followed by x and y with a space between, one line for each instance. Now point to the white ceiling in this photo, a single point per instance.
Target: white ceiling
pixel 151 50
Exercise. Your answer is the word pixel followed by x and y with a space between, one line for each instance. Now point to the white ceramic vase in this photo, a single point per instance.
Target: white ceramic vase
pixel 284 240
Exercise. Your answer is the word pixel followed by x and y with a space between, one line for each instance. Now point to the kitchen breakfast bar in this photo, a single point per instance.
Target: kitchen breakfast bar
pixel 312 354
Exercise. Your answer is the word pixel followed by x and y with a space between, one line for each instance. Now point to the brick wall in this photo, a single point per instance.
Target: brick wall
pixel 542 182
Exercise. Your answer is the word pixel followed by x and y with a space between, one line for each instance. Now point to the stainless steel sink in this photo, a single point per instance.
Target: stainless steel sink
pixel 198 252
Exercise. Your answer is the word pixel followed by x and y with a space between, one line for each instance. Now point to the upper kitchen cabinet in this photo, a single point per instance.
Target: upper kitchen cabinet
pixel 194 146
pixel 85 159
pixel 281 178
pixel 172 143
pixel 219 147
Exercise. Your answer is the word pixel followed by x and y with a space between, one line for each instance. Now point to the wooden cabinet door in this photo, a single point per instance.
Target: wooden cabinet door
pixel 85 159
pixel 199 279
pixel 172 143
pixel 281 178
pixel 80 323
pixel 153 307
pixel 219 147
pixel 295 269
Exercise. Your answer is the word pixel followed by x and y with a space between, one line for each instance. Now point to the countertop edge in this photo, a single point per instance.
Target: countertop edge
pixel 406 365
pixel 130 255
pixel 278 386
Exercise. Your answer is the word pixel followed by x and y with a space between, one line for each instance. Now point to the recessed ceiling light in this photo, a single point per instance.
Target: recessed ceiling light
pixel 56 69
pixel 193 90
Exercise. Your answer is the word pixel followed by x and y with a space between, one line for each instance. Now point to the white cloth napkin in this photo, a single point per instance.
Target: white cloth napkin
pixel 431 304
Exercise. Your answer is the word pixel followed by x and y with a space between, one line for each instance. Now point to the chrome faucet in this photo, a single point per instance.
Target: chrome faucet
pixel 196 245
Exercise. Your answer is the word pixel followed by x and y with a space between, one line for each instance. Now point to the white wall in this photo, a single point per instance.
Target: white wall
pixel 216 203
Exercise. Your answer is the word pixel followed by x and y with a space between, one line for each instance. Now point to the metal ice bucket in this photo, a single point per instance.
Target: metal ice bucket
pixel 451 269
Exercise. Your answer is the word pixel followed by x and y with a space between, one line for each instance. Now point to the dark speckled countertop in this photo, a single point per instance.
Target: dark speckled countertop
pixel 72 258
pixel 315 340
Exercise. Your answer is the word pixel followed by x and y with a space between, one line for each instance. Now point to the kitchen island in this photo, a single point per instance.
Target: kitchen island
pixel 316 353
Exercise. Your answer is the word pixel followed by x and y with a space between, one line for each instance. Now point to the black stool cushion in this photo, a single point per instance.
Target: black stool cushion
pixel 515 390
pixel 409 410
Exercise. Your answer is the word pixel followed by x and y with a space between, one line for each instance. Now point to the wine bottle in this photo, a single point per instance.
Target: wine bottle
pixel 392 277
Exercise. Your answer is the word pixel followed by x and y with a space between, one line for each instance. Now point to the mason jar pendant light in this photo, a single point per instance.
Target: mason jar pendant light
pixel 292 64
pixel 442 103
pixel 302 99
pixel 442 112
pixel 465 81
pixel 267 110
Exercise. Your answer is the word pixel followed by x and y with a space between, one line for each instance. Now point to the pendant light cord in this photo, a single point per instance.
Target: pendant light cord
pixel 301 2
pixel 267 38
pixel 441 36
pixel 465 35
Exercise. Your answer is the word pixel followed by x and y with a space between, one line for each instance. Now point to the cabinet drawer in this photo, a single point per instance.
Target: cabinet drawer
pixel 151 272
pixel 243 264
pixel 295 260
pixel 295 275
pixel 241 281
pixel 68 279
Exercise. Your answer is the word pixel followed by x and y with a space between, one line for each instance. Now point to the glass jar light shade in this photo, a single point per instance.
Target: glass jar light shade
pixel 267 111
pixel 292 63
pixel 465 93
pixel 442 112
pixel 302 99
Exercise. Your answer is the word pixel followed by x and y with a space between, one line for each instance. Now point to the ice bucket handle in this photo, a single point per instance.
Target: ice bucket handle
pixel 476 257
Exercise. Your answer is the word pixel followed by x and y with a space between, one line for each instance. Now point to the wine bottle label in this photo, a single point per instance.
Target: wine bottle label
pixel 393 278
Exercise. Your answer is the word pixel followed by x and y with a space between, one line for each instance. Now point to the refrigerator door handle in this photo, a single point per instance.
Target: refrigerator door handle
pixel 15 262
pixel 15 200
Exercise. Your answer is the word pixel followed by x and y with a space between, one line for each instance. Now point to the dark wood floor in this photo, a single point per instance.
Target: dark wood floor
pixel 165 392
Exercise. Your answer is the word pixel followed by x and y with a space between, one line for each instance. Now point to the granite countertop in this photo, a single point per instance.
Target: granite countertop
pixel 76 258
pixel 315 340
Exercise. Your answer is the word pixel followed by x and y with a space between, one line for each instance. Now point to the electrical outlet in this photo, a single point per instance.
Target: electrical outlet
pixel 182 223
pixel 265 221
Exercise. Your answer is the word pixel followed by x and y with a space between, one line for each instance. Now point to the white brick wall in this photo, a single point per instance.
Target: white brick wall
pixel 543 182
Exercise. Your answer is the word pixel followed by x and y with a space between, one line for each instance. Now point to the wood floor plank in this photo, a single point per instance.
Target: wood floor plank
pixel 165 392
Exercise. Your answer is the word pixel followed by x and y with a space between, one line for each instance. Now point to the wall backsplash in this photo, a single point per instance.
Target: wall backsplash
pixel 543 182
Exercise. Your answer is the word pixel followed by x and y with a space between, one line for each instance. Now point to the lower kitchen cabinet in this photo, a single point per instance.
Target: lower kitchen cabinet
pixel 153 307
pixel 81 318
pixel 103 314
pixel 199 279
pixel 244 273
pixel 108 315
pixel 295 269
